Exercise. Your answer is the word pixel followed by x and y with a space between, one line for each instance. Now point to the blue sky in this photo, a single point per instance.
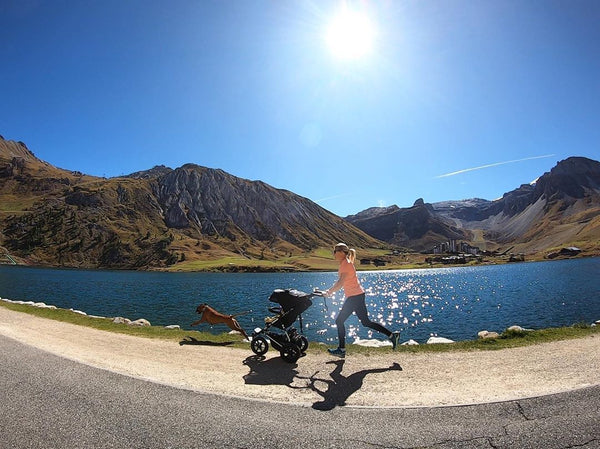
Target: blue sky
pixel 455 98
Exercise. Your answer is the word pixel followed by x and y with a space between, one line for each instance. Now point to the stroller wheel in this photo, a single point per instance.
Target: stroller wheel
pixel 290 352
pixel 302 343
pixel 259 345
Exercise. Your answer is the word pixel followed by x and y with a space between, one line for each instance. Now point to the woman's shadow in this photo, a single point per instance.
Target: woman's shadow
pixel 275 371
pixel 340 387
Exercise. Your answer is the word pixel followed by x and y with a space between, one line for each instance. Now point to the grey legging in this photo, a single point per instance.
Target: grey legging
pixel 356 304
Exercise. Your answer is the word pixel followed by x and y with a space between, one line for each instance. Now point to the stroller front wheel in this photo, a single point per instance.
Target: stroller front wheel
pixel 259 345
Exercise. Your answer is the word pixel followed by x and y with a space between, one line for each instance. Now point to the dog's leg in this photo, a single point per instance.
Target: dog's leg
pixel 236 327
pixel 201 320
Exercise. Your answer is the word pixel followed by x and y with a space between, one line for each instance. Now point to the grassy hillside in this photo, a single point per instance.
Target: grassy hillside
pixel 55 217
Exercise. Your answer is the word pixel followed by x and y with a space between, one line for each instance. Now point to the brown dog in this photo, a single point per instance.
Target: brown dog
pixel 211 316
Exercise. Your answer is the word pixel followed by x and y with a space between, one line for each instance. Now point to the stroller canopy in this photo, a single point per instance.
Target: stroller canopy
pixel 293 303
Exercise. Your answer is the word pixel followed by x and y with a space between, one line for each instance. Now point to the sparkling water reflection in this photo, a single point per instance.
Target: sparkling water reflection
pixel 451 302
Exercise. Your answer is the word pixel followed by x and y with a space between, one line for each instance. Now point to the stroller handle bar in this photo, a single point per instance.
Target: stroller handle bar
pixel 321 293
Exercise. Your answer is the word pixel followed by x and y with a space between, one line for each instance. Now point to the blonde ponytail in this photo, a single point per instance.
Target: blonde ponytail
pixel 351 255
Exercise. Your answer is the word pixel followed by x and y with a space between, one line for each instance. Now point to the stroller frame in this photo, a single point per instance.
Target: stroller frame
pixel 290 343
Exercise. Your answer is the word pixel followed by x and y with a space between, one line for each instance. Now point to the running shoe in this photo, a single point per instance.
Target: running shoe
pixel 394 338
pixel 338 352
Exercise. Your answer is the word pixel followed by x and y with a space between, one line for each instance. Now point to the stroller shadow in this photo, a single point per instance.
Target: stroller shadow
pixel 195 341
pixel 269 372
pixel 340 387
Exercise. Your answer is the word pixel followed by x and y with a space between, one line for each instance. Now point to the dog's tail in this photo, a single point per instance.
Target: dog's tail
pixel 241 313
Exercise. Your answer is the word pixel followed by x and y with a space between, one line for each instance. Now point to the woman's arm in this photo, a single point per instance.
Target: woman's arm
pixel 338 284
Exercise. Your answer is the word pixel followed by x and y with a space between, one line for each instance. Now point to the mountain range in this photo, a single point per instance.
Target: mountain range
pixel 197 218
pixel 561 208
pixel 157 218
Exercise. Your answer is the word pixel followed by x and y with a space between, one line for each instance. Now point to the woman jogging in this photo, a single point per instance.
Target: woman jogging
pixel 355 299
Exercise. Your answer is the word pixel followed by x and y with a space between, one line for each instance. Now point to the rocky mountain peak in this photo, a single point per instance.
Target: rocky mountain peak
pixel 154 172
pixel 372 212
pixel 217 203
pixel 572 177
pixel 12 149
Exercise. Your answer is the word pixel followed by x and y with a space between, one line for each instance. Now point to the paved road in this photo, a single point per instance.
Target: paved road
pixel 50 402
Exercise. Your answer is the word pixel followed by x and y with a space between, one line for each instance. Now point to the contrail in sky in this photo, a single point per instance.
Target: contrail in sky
pixel 493 165
pixel 332 197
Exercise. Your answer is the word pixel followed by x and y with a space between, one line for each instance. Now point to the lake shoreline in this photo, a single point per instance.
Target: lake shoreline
pixel 240 268
pixel 454 303
pixel 482 343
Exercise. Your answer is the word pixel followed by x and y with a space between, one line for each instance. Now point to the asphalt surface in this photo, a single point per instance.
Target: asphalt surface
pixel 50 402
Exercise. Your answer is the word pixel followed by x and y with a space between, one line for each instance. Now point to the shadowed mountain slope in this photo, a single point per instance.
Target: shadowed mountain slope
pixel 154 218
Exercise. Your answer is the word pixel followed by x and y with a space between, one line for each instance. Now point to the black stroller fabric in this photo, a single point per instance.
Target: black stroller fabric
pixel 293 303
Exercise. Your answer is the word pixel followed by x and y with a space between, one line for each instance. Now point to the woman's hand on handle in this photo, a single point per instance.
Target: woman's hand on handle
pixel 324 293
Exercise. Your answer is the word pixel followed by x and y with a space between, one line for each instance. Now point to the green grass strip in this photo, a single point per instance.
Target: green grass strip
pixel 506 340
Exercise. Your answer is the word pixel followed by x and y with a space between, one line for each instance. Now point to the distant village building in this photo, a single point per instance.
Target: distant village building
pixel 516 257
pixel 376 262
pixel 454 247
pixel 567 252
pixel 468 249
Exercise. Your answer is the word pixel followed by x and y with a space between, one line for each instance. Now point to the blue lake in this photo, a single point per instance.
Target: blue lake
pixel 451 302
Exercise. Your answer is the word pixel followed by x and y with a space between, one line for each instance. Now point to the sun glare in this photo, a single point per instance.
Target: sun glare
pixel 350 35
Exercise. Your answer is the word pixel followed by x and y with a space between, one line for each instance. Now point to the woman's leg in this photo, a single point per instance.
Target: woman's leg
pixel 363 316
pixel 345 312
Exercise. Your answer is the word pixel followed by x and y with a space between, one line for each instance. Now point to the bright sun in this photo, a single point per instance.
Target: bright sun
pixel 350 35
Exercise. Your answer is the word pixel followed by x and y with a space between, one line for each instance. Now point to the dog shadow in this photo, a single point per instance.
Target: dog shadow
pixel 273 371
pixel 339 387
pixel 194 341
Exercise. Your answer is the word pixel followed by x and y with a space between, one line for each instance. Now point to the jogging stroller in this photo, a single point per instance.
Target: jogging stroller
pixel 279 330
